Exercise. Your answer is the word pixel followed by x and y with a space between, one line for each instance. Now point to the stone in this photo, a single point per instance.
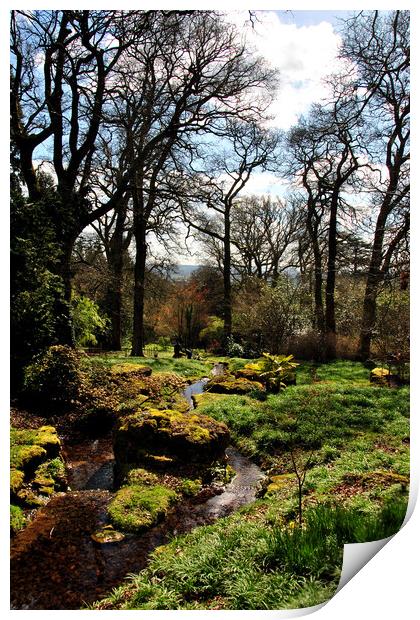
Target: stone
pixel 169 433
pixel 136 508
pixel 107 535
pixel 232 385
pixel 382 376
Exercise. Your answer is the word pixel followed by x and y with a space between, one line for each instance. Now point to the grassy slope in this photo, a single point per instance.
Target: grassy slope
pixel 257 558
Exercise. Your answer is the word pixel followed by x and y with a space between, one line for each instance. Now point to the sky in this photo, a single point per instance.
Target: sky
pixel 303 46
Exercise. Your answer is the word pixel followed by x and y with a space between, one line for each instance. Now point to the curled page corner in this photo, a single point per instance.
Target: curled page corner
pixel 357 555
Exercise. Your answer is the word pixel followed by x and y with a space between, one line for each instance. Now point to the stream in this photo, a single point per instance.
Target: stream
pixel 54 562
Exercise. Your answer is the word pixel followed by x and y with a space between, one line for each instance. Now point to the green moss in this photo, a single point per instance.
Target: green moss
pixel 190 487
pixel 141 477
pixel 169 433
pixel 47 438
pixel 233 386
pixel 30 499
pixel 26 457
pixel 53 473
pixel 29 447
pixel 136 508
pixel 16 480
pixel 17 519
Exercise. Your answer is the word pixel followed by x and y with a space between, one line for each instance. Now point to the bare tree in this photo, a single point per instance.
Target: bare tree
pixel 325 151
pixel 62 69
pixel 249 147
pixel 378 45
pixel 264 231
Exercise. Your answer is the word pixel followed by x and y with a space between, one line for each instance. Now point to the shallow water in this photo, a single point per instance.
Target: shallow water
pixel 194 388
pixel 54 562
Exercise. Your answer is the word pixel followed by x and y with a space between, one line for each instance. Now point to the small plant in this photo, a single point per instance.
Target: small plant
pixel 300 473
pixel 274 370
pixel 234 349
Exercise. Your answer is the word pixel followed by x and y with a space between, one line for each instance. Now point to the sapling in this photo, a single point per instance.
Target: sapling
pixel 301 476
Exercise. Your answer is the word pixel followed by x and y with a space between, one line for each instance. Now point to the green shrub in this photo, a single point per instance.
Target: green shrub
pixel 87 321
pixel 54 377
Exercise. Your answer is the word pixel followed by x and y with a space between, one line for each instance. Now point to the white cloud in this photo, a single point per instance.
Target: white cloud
pixel 304 56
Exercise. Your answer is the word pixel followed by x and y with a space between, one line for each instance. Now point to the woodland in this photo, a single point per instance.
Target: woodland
pixel 209 386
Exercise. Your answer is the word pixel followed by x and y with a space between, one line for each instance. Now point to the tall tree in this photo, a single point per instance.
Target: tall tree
pixel 378 44
pixel 193 72
pixel 62 69
pixel 248 148
pixel 325 151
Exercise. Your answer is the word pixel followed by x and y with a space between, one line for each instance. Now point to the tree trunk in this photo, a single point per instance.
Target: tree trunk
pixel 113 301
pixel 330 326
pixel 115 255
pixel 372 284
pixel 64 323
pixel 227 287
pixel 139 278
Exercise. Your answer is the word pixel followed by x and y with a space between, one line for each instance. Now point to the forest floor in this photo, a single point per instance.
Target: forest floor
pixel 352 437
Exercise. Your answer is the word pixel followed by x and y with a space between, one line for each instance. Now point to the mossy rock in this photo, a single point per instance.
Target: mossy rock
pixel 188 437
pixel 52 473
pixel 382 376
pixel 131 370
pixel 247 373
pixel 44 437
pixel 136 508
pixel 27 458
pixel 28 498
pixel 232 385
pixel 189 488
pixel 107 535
pixel 278 482
pixel 141 477
pixel 17 519
pixel 17 478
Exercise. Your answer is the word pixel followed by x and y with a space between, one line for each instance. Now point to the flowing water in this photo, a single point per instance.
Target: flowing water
pixel 54 562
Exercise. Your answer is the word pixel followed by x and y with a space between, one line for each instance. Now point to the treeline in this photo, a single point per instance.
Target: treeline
pixel 128 127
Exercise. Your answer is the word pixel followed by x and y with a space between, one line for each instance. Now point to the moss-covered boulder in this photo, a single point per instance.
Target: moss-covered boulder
pixel 233 385
pixel 137 507
pixel 17 519
pixel 383 376
pixel 36 469
pixel 30 447
pixel 17 478
pixel 187 437
pixel 131 371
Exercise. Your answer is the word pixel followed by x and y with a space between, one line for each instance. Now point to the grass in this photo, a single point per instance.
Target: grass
pixel 356 488
pixel 186 368
pixel 244 562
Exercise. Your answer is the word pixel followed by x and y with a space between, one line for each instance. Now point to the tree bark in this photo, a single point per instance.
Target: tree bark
pixel 139 278
pixel 330 325
pixel 64 323
pixel 227 286
pixel 374 278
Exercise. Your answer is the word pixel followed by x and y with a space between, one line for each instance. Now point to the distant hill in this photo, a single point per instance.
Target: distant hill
pixel 184 271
